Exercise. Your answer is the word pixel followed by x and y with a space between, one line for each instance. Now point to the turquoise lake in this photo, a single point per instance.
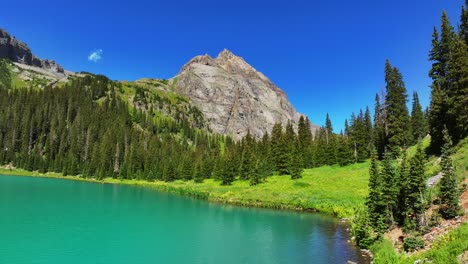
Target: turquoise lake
pixel 61 221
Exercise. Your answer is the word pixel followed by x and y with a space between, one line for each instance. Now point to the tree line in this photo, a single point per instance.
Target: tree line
pixel 86 127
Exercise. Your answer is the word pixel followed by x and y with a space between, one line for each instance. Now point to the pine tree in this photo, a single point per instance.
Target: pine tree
pixel 319 145
pixel 305 141
pixel 280 149
pixel 229 172
pixel 416 200
pixel 345 151
pixel 248 163
pixel 296 166
pixel 5 75
pixel 330 143
pixel 369 132
pixel 448 193
pixel 457 73
pixel 390 189
pixel 418 126
pixel 396 110
pixel 403 182
pixel 374 202
pixel 379 128
pixel 440 56
pixel 258 172
pixel 464 23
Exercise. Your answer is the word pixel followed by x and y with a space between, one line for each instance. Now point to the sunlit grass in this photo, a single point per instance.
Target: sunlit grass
pixel 333 190
pixel 444 250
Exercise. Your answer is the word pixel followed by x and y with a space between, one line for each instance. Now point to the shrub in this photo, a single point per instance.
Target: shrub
pixel 413 243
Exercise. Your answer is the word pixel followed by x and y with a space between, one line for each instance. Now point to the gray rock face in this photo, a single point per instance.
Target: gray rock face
pixel 17 51
pixel 233 96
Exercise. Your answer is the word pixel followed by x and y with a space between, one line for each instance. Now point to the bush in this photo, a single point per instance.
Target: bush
pixel 413 243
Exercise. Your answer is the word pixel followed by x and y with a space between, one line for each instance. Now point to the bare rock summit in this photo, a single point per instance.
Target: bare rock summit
pixel 233 96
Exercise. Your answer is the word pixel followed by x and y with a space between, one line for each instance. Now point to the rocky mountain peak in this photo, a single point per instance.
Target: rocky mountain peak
pixel 19 52
pixel 225 55
pixel 233 96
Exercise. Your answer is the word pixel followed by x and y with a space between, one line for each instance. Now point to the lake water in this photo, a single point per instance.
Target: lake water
pixel 60 221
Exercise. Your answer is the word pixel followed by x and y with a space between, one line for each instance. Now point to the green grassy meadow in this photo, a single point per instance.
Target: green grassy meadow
pixel 444 250
pixel 332 190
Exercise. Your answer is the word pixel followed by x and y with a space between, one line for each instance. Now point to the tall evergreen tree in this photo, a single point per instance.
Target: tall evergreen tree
pixel 457 95
pixel 379 127
pixel 369 132
pixel 403 190
pixel 5 76
pixel 330 142
pixel 390 190
pixel 374 202
pixel 440 56
pixel 229 172
pixel 464 22
pixel 296 162
pixel 280 149
pixel 418 126
pixel 345 151
pixel 449 194
pixel 396 110
pixel 248 159
pixel 304 135
pixel 416 197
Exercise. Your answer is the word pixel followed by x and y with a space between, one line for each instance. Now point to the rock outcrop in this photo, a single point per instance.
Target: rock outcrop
pixel 233 96
pixel 17 51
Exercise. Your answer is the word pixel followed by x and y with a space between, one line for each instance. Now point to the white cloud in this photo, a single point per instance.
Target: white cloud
pixel 95 56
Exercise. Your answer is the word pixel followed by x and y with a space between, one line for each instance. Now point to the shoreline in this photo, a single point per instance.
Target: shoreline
pixel 185 190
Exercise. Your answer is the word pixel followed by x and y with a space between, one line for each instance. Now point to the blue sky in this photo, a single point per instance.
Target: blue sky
pixel 328 55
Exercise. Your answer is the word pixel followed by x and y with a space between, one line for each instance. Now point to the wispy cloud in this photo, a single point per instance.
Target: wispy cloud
pixel 95 56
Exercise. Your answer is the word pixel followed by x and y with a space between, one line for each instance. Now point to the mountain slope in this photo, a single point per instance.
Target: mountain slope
pixel 233 96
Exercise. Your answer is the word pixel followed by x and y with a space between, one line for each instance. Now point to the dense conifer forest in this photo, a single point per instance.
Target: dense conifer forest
pixel 87 127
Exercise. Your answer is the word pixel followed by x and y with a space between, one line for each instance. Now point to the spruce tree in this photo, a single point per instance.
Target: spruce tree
pixel 379 127
pixel 464 22
pixel 374 202
pixel 396 110
pixel 416 200
pixel 248 163
pixel 304 135
pixel 280 149
pixel 369 132
pixel 330 143
pixel 344 150
pixel 390 189
pixel 418 126
pixel 296 166
pixel 229 172
pixel 448 192
pixel 440 56
pixel 403 183
pixel 5 75
pixel 457 73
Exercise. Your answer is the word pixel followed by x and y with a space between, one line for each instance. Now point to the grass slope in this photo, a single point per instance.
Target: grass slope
pixel 333 190
pixel 444 251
